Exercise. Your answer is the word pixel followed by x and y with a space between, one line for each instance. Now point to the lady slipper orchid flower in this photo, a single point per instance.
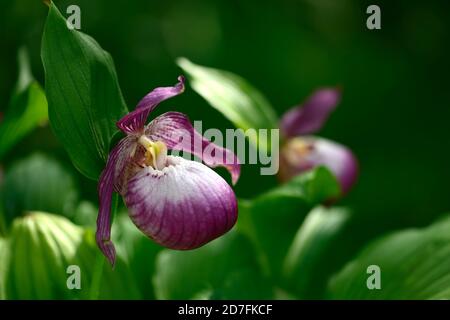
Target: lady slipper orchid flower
pixel 302 151
pixel 179 203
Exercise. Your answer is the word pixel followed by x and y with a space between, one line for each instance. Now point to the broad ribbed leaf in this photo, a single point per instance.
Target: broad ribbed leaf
pixel 83 93
pixel 414 264
pixel 306 266
pixel 27 108
pixel 233 96
pixel 55 244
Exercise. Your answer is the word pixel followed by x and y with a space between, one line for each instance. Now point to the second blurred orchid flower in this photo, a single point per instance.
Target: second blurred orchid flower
pixel 180 204
pixel 302 151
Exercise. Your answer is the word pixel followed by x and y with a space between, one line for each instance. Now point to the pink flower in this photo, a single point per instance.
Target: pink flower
pixel 180 204
pixel 302 151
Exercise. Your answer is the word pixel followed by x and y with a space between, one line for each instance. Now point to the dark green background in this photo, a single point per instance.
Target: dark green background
pixel 396 102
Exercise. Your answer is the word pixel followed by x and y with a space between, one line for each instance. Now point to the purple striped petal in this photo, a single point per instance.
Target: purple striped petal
pixel 112 179
pixel 135 120
pixel 176 131
pixel 302 154
pixel 183 206
pixel 311 116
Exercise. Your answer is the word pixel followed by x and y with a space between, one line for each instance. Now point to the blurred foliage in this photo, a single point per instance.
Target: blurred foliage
pixel 273 218
pixel 307 265
pixel 233 266
pixel 138 251
pixel 4 252
pixel 37 183
pixel 213 271
pixel 266 228
pixel 27 108
pixel 414 264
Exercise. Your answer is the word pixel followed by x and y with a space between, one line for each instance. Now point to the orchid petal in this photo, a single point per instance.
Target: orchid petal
pixel 183 206
pixel 302 154
pixel 311 116
pixel 176 131
pixel 111 179
pixel 135 120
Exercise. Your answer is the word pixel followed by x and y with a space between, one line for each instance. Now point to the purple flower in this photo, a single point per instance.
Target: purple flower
pixel 180 204
pixel 302 152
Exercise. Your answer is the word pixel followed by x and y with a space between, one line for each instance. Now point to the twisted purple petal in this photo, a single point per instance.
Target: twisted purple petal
pixel 311 116
pixel 135 120
pixel 111 180
pixel 183 206
pixel 176 131
pixel 302 154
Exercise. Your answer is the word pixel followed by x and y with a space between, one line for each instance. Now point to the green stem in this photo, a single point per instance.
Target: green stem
pixel 97 277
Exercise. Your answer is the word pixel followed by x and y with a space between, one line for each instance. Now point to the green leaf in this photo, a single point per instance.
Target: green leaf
pixel 27 108
pixel 414 264
pixel 272 219
pixel 244 284
pixel 312 187
pixel 306 266
pixel 4 251
pixel 41 275
pixel 214 270
pixel 83 93
pixel 3 226
pixel 234 97
pixel 56 244
pixel 38 183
